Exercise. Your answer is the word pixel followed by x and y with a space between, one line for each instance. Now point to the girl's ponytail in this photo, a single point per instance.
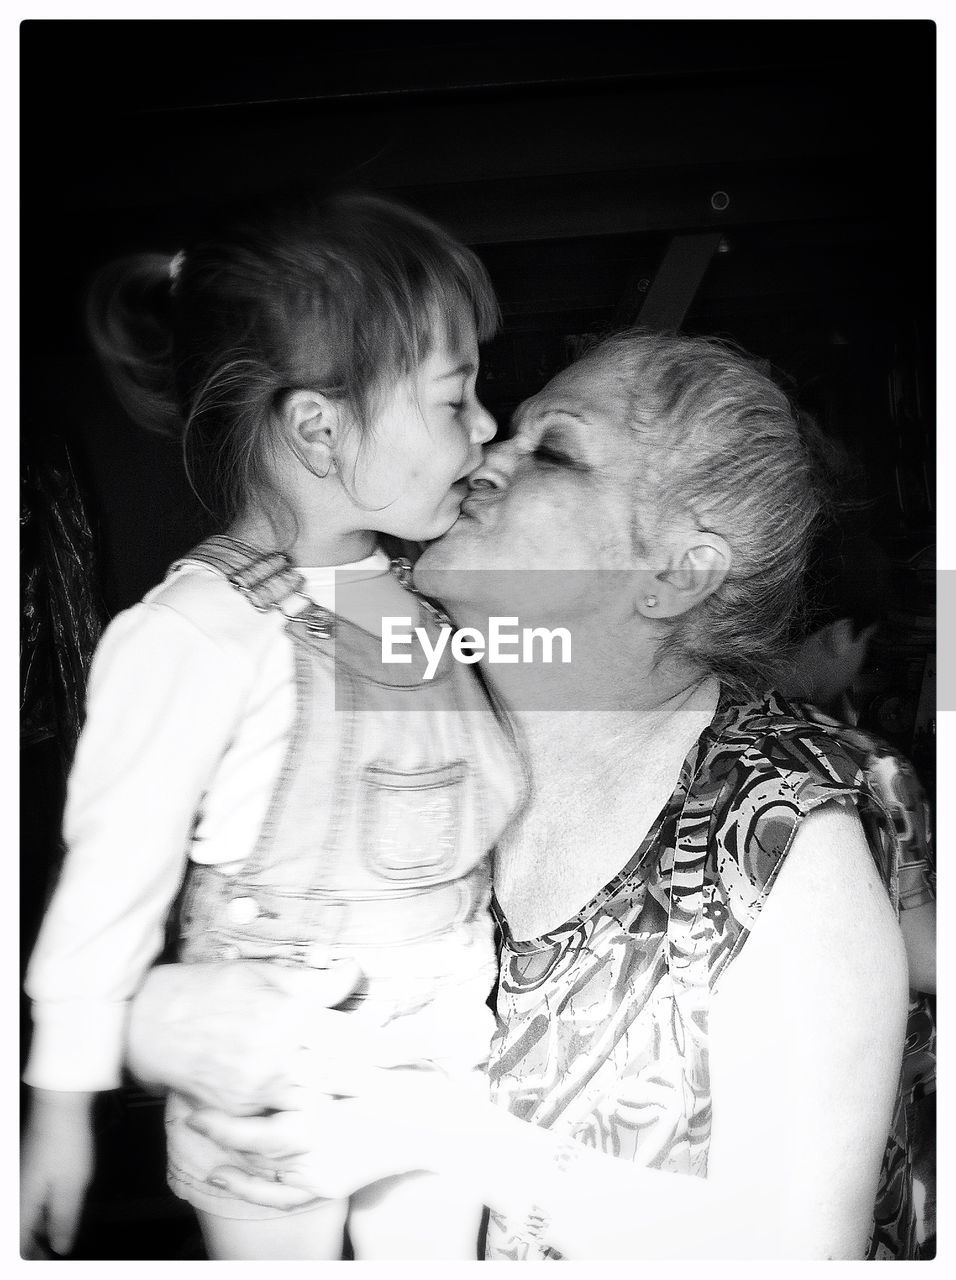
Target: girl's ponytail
pixel 342 294
pixel 128 322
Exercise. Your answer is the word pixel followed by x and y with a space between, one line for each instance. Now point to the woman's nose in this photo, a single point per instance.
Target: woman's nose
pixel 494 470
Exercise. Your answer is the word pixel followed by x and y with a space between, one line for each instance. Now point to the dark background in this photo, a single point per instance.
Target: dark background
pixel 772 182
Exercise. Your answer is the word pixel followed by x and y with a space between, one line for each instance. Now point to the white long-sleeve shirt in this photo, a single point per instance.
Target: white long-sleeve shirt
pixel 188 686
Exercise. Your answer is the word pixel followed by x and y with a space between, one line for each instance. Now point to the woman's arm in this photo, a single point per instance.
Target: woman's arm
pixel 808 1034
pixel 806 1040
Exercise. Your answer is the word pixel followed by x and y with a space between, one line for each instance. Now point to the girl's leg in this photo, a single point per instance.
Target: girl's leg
pixel 415 1215
pixel 316 1234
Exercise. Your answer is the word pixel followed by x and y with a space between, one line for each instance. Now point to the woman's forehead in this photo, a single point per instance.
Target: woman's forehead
pixel 580 391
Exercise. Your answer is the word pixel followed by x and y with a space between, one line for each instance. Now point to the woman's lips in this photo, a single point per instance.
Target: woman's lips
pixel 472 505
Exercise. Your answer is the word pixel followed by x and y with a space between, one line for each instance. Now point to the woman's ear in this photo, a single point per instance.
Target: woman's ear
pixel 310 423
pixel 699 568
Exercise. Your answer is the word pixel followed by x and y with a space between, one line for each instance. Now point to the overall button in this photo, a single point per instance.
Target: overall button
pixel 242 910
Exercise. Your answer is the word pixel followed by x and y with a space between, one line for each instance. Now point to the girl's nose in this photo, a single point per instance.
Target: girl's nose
pixel 483 425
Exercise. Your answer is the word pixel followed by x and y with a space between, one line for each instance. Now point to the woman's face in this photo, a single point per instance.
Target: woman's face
pixel 560 494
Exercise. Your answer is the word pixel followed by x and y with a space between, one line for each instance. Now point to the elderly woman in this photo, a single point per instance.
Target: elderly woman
pixel 701 971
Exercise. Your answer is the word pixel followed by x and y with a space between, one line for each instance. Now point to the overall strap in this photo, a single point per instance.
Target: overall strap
pixel 403 570
pixel 266 578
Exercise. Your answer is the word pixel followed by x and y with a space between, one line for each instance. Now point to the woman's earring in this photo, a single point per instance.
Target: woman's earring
pixel 650 602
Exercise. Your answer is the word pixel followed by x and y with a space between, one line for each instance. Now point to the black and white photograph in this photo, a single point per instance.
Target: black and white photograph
pixel 478 606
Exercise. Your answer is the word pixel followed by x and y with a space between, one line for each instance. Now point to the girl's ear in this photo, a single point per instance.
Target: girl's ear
pixel 310 423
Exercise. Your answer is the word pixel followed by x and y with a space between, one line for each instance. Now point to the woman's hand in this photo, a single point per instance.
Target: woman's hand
pixel 333 1146
pixel 231 1035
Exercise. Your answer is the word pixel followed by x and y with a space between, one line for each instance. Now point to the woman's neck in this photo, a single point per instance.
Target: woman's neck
pixel 601 665
pixel 598 781
pixel 615 705
pixel 593 743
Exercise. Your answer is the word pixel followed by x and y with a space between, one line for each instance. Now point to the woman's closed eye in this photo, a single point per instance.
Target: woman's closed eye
pixel 550 453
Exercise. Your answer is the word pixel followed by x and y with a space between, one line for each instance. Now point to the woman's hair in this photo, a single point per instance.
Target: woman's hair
pixel 848 575
pixel 341 294
pixel 722 441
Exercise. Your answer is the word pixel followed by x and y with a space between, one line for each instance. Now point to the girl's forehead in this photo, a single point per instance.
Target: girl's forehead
pixel 446 356
pixel 450 323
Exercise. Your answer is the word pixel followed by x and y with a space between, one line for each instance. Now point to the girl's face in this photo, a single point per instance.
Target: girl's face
pixel 407 475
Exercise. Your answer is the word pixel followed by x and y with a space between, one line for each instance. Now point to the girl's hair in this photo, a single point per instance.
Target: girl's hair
pixel 342 294
pixel 722 441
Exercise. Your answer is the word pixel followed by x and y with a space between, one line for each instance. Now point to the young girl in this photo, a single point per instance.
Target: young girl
pixel 321 363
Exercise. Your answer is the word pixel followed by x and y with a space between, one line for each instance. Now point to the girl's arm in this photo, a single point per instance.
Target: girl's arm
pixel 161 704
pixel 806 1040
pixel 56 1167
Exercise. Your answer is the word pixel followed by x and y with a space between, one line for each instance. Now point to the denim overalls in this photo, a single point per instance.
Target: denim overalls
pixel 374 846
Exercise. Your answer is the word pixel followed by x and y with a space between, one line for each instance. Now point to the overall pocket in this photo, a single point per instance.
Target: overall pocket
pixel 411 821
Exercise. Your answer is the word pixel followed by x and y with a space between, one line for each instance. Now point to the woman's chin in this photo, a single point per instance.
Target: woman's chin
pixel 447 533
pixel 440 558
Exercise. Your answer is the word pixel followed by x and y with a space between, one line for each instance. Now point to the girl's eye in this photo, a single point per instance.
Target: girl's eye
pixel 457 405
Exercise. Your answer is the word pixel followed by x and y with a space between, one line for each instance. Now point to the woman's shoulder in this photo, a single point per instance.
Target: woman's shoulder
pixel 774 753
pixel 769 747
pixel 889 773
pixel 766 767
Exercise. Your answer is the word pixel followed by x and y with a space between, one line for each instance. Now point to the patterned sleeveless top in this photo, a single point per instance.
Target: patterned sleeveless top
pixel 603 1023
